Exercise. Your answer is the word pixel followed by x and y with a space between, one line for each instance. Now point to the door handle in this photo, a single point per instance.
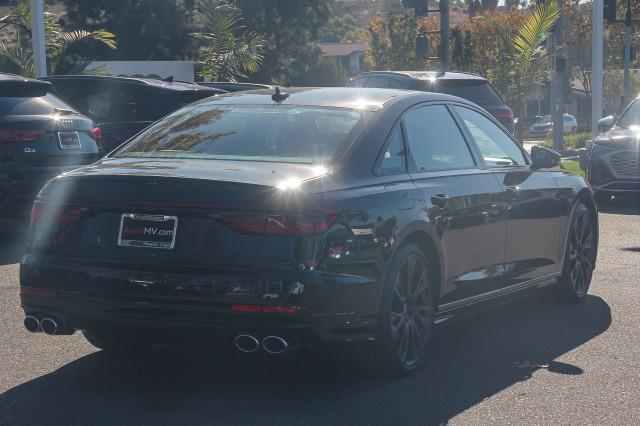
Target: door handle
pixel 439 200
pixel 513 191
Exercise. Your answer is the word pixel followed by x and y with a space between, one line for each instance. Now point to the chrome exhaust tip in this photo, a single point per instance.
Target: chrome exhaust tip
pixel 274 345
pixel 246 343
pixel 32 324
pixel 49 326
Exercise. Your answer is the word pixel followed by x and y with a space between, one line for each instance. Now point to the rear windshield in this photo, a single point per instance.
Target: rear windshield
pixel 480 92
pixel 40 105
pixel 245 132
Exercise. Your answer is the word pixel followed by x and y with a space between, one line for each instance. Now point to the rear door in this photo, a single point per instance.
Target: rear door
pixel 463 203
pixel 534 211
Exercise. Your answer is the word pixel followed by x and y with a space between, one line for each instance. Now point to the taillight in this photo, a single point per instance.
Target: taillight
pixel 290 224
pixel 54 214
pixel 505 116
pixel 16 135
pixel 96 133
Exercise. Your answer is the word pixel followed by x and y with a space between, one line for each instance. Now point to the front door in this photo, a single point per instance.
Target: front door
pixel 534 210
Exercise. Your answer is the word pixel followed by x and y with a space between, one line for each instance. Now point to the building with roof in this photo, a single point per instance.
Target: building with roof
pixel 348 55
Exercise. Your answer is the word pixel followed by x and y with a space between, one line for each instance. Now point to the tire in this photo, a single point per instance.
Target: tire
pixel 405 325
pixel 117 342
pixel 580 256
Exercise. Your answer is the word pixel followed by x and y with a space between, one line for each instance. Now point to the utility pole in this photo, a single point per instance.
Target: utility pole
pixel 596 64
pixel 558 84
pixel 627 53
pixel 444 39
pixel 37 32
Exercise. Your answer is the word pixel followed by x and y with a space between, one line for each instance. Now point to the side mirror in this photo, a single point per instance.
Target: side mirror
pixel 544 158
pixel 606 123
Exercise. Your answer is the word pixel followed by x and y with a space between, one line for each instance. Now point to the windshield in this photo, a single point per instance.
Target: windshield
pixel 631 116
pixel 479 92
pixel 245 132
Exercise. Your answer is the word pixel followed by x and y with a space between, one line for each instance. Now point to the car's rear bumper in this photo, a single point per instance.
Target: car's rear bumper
pixel 88 296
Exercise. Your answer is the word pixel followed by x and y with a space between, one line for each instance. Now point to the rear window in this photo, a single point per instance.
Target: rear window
pixel 245 132
pixel 478 92
pixel 40 105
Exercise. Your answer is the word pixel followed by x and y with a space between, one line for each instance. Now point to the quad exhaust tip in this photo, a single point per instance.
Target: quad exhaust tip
pixel 49 326
pixel 246 343
pixel 32 324
pixel 274 345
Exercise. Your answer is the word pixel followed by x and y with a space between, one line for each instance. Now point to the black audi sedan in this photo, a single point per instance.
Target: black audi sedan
pixel 347 218
pixel 614 159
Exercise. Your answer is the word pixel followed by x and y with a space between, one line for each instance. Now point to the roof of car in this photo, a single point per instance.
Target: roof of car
pixel 19 83
pixel 170 85
pixel 369 99
pixel 426 75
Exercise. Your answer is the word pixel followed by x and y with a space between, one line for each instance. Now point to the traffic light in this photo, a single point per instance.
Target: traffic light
pixel 422 46
pixel 610 10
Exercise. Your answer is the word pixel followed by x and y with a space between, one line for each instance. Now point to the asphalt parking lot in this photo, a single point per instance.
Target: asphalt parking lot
pixel 534 362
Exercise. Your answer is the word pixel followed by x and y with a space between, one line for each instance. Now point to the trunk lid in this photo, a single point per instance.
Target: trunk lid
pixel 220 208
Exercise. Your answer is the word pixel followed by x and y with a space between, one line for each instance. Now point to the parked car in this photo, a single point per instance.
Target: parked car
pixel 123 106
pixel 467 86
pixel 234 86
pixel 613 166
pixel 40 136
pixel 324 216
pixel 544 125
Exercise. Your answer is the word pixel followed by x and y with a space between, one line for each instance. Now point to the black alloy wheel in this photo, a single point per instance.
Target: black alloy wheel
pixel 581 254
pixel 405 320
pixel 411 310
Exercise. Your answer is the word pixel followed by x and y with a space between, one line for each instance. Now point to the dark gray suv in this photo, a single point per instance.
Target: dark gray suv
pixel 464 85
pixel 614 159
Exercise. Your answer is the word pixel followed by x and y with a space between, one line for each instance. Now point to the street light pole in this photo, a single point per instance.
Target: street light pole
pixel 627 53
pixel 558 84
pixel 37 37
pixel 444 41
pixel 596 65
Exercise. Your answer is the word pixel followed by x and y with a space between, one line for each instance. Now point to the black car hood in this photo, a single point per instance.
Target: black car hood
pixel 620 137
pixel 249 172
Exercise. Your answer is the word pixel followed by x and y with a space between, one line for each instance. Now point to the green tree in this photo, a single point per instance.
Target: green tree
pixel 228 50
pixel 290 29
pixel 391 41
pixel 525 55
pixel 146 29
pixel 339 29
pixel 18 52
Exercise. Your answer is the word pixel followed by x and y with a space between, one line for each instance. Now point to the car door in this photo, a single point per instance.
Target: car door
pixel 462 203
pixel 534 209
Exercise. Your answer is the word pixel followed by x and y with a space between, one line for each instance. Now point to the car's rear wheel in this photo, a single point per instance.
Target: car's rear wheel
pixel 406 316
pixel 580 255
pixel 117 342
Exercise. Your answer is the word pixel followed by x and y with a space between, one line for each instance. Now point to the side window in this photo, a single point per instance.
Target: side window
pixel 395 84
pixel 359 82
pixel 394 159
pixel 435 141
pixel 496 147
pixel 379 82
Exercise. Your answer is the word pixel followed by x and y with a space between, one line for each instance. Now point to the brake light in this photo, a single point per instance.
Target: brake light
pixel 96 133
pixel 15 135
pixel 40 213
pixel 505 116
pixel 296 224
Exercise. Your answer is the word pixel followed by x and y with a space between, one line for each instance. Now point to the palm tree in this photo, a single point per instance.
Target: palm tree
pixel 229 51
pixel 19 52
pixel 525 53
